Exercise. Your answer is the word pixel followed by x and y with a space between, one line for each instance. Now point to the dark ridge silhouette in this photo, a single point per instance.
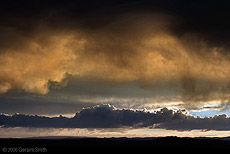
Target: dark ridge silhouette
pixel 71 144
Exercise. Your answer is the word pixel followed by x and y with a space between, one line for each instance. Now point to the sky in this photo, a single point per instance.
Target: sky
pixel 114 68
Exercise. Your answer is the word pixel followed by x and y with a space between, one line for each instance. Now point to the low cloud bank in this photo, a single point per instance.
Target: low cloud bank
pixel 108 116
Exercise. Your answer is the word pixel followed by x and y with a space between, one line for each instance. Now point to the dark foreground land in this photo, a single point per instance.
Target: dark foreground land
pixel 115 144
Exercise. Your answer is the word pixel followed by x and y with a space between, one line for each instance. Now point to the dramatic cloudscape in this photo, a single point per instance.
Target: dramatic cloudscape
pixel 120 66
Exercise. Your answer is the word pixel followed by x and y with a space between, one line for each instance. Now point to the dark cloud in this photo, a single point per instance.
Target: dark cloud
pixel 218 122
pixel 101 116
pixel 108 116
pixel 206 17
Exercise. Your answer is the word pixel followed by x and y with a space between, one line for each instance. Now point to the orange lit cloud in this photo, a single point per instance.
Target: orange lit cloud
pixel 30 67
pixel 140 48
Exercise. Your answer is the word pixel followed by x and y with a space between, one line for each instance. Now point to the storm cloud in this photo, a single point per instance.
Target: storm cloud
pixel 167 49
pixel 108 116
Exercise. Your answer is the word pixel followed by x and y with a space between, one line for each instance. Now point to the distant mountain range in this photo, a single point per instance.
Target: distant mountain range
pixel 124 138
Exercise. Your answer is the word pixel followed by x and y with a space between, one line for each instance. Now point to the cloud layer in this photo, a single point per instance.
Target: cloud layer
pixel 40 50
pixel 108 116
pixel 131 48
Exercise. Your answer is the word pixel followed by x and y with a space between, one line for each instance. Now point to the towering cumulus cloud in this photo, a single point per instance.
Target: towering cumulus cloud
pixel 130 47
